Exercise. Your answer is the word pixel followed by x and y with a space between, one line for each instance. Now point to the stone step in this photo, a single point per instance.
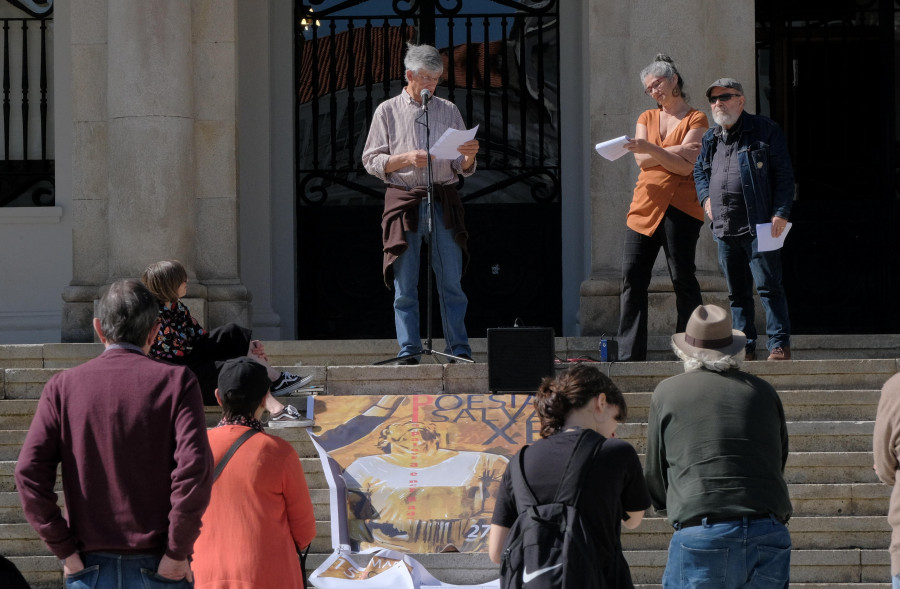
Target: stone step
pixel 805 405
pixel 26 383
pixel 368 351
pixel 843 500
pixel 810 569
pixel 847 499
pixel 822 468
pixel 805 436
pixel 799 405
pixel 654 533
pixel 807 533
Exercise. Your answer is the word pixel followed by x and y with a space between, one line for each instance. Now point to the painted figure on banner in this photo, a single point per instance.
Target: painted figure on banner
pixel 422 472
pixel 445 497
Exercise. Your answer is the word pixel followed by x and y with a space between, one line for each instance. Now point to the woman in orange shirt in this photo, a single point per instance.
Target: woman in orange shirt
pixel 664 211
pixel 260 513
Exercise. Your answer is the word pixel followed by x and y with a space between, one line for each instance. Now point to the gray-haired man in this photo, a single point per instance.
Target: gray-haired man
pixel 744 178
pixel 395 153
pixel 136 465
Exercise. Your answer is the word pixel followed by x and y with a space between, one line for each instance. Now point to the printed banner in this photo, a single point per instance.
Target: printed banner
pixel 386 569
pixel 418 473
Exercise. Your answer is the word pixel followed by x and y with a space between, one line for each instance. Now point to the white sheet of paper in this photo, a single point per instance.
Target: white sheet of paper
pixel 612 149
pixel 764 240
pixel 447 146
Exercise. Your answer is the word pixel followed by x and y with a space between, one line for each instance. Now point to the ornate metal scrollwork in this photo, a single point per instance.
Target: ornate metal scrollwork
pixel 306 188
pixel 452 10
pixel 541 191
pixel 530 7
pixel 408 12
pixel 35 8
pixel 410 8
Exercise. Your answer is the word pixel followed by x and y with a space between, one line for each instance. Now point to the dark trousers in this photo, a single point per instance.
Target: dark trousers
pixel 211 351
pixel 743 265
pixel 677 235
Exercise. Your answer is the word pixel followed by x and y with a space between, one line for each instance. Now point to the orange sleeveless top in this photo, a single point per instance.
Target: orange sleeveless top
pixel 657 188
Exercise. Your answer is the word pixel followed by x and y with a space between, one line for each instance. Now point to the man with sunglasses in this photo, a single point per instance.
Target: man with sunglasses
pixel 744 178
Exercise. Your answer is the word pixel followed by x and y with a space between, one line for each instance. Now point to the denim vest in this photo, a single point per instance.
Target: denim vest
pixel 767 177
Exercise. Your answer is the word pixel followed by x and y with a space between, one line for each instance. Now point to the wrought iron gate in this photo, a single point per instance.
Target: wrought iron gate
pixel 827 72
pixel 502 70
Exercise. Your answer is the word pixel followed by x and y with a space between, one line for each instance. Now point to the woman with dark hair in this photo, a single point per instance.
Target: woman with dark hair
pixel 260 513
pixel 578 399
pixel 665 212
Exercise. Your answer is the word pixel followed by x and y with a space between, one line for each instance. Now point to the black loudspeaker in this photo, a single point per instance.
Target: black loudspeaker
pixel 519 357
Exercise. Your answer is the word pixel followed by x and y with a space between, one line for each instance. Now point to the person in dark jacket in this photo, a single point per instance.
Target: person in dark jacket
pixel 717 445
pixel 744 178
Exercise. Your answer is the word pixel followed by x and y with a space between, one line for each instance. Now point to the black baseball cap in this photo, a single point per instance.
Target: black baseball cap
pixel 245 377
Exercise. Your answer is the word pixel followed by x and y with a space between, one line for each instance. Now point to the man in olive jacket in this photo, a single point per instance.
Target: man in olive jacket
pixel 717 444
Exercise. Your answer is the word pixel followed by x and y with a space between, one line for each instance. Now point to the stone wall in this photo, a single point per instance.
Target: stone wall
pixel 707 40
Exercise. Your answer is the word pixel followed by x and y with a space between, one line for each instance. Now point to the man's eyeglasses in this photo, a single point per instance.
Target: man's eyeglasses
pixel 654 86
pixel 721 98
pixel 429 79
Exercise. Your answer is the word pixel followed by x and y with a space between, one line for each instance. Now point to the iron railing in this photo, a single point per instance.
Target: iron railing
pixel 501 69
pixel 27 166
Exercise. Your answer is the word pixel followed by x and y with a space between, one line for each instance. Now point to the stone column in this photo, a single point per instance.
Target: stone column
pixel 215 180
pixel 627 37
pixel 90 176
pixel 155 140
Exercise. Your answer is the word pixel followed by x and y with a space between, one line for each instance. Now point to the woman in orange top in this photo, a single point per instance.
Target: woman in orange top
pixel 260 513
pixel 664 212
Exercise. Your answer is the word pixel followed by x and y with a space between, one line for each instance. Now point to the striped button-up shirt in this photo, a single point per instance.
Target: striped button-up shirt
pixel 398 126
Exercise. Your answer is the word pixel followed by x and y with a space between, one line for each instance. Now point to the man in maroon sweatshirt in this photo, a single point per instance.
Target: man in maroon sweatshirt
pixel 136 465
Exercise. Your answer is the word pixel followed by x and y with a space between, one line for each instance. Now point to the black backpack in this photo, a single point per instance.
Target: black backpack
pixel 10 577
pixel 549 546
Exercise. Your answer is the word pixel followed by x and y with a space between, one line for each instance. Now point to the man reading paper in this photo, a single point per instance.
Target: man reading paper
pixel 395 153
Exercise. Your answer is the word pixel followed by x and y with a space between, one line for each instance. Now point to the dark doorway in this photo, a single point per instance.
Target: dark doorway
pixel 502 71
pixel 827 72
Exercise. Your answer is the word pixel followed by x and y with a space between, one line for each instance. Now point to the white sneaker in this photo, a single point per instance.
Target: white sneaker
pixel 287 383
pixel 289 417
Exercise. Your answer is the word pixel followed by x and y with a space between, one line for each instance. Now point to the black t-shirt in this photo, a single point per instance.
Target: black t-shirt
pixel 614 485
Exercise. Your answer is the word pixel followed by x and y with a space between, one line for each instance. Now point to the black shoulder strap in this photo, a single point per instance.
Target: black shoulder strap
pixel 237 444
pixel 586 447
pixel 523 494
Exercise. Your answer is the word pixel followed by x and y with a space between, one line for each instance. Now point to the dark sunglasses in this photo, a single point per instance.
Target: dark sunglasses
pixel 722 98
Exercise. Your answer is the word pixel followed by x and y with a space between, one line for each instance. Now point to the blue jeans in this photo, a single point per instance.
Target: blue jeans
pixel 742 266
pixel 103 570
pixel 447 268
pixel 677 235
pixel 895 582
pixel 752 554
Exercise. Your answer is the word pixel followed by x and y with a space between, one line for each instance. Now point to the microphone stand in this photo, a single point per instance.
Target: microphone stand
pixel 427 349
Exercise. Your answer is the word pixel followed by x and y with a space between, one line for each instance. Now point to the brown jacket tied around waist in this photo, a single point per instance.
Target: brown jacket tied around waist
pixel 401 213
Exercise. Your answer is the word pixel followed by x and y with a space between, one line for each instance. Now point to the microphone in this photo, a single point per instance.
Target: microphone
pixel 426 96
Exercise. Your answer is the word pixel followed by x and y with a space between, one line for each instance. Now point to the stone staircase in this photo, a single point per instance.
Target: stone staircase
pixel 839 529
